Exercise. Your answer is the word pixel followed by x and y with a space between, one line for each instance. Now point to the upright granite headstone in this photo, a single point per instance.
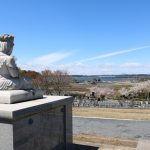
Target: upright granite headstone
pixel 29 121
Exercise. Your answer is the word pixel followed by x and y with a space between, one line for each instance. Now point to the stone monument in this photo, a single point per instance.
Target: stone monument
pixel 13 88
pixel 29 120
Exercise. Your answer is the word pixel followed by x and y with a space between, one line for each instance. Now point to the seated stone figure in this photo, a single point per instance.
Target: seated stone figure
pixel 9 72
pixel 13 88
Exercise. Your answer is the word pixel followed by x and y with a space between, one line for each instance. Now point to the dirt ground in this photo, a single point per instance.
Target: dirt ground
pixel 92 142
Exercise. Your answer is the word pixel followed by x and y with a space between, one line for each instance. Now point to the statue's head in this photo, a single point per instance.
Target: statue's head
pixel 6 43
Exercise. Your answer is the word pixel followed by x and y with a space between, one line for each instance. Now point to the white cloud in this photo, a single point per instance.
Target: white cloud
pixel 45 61
pixel 131 65
pixel 134 65
pixel 49 58
pixel 95 69
pixel 114 53
pixel 49 61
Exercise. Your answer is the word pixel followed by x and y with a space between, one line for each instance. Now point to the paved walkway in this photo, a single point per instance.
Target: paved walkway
pixel 125 129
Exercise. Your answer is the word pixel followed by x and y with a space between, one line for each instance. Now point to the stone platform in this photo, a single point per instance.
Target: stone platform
pixel 16 96
pixel 43 124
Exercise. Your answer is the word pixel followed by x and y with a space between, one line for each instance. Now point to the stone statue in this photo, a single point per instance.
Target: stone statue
pixel 9 72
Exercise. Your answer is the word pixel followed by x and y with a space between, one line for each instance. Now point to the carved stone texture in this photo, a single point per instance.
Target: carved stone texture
pixel 9 72
pixel 43 124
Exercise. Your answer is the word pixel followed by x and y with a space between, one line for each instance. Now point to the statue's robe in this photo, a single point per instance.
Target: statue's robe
pixel 9 75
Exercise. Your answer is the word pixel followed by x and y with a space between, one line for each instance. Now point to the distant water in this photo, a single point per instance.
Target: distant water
pixel 113 78
pixel 110 78
pixel 102 78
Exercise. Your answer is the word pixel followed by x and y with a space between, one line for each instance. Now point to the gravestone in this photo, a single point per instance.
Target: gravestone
pixel 29 120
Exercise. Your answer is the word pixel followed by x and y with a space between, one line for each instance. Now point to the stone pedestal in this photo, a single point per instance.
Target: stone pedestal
pixel 17 96
pixel 43 124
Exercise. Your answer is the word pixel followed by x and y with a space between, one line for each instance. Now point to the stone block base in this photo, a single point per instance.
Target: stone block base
pixel 16 96
pixel 43 124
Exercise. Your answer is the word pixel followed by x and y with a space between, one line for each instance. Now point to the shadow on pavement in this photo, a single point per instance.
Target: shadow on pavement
pixel 83 147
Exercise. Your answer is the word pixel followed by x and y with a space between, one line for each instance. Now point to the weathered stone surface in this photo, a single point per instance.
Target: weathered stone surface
pixel 15 96
pixel 44 124
pixel 9 74
pixel 6 136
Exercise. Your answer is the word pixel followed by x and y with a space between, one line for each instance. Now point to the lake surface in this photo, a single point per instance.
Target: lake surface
pixel 111 78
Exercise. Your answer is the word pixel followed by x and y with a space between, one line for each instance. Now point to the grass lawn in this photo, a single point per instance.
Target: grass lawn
pixel 137 114
pixel 104 140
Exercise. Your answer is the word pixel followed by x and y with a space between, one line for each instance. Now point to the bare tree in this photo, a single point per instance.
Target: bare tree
pixel 60 82
pixel 51 82
pixel 45 82
pixel 55 82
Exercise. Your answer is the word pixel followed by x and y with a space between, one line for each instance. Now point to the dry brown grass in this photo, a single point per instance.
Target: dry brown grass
pixel 78 88
pixel 137 114
pixel 104 140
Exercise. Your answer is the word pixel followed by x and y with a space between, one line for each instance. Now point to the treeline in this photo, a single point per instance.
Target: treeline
pixel 51 82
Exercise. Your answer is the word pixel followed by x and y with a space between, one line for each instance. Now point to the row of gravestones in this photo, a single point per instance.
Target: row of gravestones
pixel 109 104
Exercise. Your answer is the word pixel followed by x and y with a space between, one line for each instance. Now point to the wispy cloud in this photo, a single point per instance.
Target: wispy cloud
pixel 49 61
pixel 50 58
pixel 94 69
pixel 104 68
pixel 131 65
pixel 114 53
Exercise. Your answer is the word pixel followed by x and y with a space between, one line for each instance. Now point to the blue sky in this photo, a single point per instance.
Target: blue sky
pixel 79 36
